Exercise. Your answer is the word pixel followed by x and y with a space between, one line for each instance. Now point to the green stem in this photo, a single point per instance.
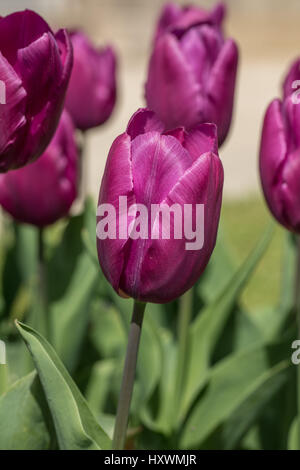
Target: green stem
pixel 42 284
pixel 128 376
pixel 297 305
pixel 184 320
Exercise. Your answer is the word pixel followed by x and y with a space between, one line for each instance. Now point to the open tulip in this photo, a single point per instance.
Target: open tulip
pixel 43 191
pixel 192 76
pixel 280 161
pixel 151 167
pixel 175 18
pixel 91 93
pixel 35 66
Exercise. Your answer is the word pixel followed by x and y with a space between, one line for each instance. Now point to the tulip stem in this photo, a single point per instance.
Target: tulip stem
pixel 128 376
pixel 42 286
pixel 297 309
pixel 84 166
pixel 184 319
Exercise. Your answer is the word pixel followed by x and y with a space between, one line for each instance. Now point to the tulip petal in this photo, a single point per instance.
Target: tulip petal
pixel 158 161
pixel 12 118
pixel 292 80
pixel 171 90
pixel 273 152
pixel 164 271
pixel 221 88
pixel 44 124
pixel 117 181
pixel 39 63
pixel 201 139
pixel 201 47
pixel 143 121
pixel 289 192
pixel 22 28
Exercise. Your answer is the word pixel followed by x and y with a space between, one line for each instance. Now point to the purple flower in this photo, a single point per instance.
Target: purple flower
pixel 280 161
pixel 91 94
pixel 175 18
pixel 151 167
pixel 192 72
pixel 43 191
pixel 35 66
pixel 291 82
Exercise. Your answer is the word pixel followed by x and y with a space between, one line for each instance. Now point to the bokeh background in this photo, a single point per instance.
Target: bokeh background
pixel 268 35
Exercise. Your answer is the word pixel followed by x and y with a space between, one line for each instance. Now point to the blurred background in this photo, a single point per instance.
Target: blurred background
pixel 268 35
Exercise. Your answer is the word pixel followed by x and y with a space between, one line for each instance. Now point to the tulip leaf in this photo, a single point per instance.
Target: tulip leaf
pixel 99 385
pixel 22 425
pixel 162 420
pixel 75 425
pixel 293 441
pixel 242 419
pixel 218 272
pixel 71 300
pixel 234 383
pixel 208 325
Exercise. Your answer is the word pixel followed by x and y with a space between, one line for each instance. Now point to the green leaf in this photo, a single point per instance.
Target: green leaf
pixel 73 278
pixel 233 383
pixel 22 425
pixel 293 436
pixel 207 327
pixel 99 385
pixel 162 419
pixel 219 271
pixel 75 425
pixel 243 418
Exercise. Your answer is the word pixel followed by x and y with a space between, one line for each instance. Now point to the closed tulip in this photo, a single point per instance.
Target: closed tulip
pixel 43 191
pixel 91 94
pixel 150 167
pixel 192 75
pixel 280 161
pixel 35 66
pixel 176 18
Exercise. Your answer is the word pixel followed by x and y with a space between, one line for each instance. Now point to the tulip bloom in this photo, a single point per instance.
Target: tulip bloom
pixel 280 161
pixel 43 191
pixel 91 94
pixel 192 75
pixel 176 18
pixel 35 66
pixel 149 166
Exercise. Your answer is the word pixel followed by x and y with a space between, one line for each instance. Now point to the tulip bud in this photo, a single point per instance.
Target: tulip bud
pixel 176 18
pixel 192 73
pixel 280 161
pixel 35 66
pixel 91 93
pixel 43 191
pixel 291 83
pixel 151 173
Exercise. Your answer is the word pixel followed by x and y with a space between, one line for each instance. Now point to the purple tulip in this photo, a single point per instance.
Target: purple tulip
pixel 280 161
pixel 175 18
pixel 35 66
pixel 192 76
pixel 43 192
pixel 91 94
pixel 150 167
pixel 291 83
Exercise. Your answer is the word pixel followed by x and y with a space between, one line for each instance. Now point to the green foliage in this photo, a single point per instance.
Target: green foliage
pixel 231 387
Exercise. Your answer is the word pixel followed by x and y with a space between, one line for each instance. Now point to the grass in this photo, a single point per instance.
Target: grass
pixel 244 222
